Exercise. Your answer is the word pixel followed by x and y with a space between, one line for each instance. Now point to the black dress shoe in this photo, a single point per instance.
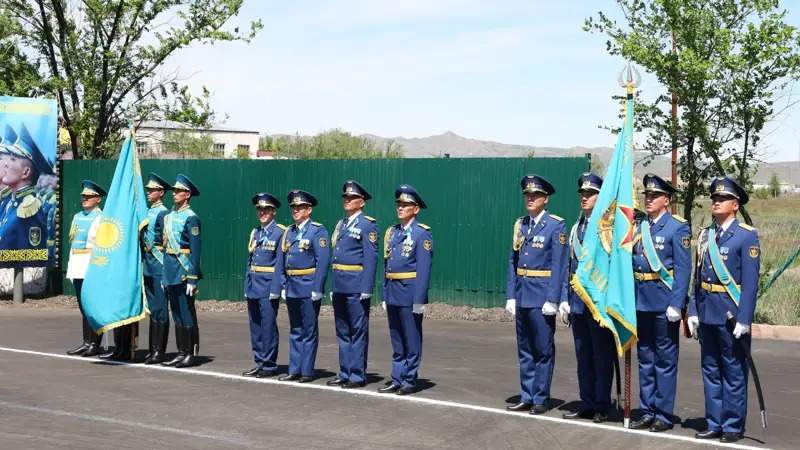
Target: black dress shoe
pixel 519 407
pixel 109 355
pixel 659 426
pixel 406 390
pixel 336 382
pixel 539 409
pixel 389 389
pixel 353 385
pixel 188 361
pixel 585 414
pixel 707 434
pixel 305 379
pixel 289 377
pixel 79 349
pixel 730 437
pixel 92 350
pixel 266 373
pixel 174 361
pixel 600 417
pixel 252 372
pixel 642 423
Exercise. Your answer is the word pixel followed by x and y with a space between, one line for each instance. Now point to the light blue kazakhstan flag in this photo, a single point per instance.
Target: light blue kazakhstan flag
pixel 112 293
pixel 604 277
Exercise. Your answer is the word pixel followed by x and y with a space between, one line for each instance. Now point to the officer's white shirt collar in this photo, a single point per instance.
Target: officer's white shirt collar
pixel 727 224
pixel 264 227
pixel 654 221
pixel 538 217
pixel 351 219
pixel 302 224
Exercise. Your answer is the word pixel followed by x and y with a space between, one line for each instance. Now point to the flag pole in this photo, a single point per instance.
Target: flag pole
pixel 630 83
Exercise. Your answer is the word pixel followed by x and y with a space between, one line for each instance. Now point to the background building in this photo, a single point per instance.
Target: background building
pixel 164 139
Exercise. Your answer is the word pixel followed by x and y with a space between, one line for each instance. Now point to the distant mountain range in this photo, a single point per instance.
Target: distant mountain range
pixel 460 147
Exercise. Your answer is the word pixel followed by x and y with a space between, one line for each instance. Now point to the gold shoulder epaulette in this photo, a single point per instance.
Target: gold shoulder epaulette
pixel 746 226
pixel 679 218
pixel 282 227
pixel 316 223
pixel 371 219
pixel 29 207
pixel 558 218
pixel 424 227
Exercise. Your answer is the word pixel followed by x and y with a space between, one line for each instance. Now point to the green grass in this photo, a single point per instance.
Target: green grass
pixel 778 224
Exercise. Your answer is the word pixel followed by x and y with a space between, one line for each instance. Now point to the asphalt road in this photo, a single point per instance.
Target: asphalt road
pixel 49 400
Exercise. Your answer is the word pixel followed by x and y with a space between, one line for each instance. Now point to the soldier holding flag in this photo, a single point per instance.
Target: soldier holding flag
pixel 722 308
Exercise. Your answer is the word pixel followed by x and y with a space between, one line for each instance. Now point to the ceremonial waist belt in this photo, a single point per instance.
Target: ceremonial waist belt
pixel 184 251
pixel 268 269
pixel 80 251
pixel 712 287
pixel 308 271
pixel 648 276
pixel 155 247
pixel 400 275
pixel 348 267
pixel 533 273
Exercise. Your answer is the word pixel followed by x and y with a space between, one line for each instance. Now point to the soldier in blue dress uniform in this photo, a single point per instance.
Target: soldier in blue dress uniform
pixel 302 266
pixel 408 258
pixel 153 250
pixel 82 234
pixel 662 269
pixel 182 248
pixel 722 307
pixel 355 255
pixel 23 218
pixel 537 267
pixel 594 345
pixel 262 307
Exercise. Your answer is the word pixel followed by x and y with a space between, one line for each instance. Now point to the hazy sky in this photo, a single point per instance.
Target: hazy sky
pixel 517 72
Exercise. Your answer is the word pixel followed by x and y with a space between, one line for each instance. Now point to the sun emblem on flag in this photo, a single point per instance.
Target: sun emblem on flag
pixel 109 235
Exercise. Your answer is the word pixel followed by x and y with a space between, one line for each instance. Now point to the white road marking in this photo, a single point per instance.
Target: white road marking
pixel 391 397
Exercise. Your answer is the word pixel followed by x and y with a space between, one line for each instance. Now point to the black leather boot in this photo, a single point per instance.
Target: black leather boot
pixel 191 348
pixel 180 337
pixel 94 344
pixel 87 338
pixel 158 337
pixel 151 340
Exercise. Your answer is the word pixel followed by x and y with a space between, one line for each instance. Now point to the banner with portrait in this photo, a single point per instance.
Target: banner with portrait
pixel 28 128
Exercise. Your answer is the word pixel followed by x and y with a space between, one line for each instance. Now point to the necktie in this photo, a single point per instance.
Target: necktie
pixel 718 232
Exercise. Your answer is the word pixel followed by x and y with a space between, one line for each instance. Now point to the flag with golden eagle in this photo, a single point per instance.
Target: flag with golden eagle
pixel 604 276
pixel 112 293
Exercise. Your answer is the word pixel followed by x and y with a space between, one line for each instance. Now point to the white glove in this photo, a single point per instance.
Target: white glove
pixel 673 315
pixel 694 323
pixel 549 309
pixel 283 294
pixel 511 306
pixel 365 296
pixel 191 289
pixel 418 308
pixel 563 308
pixel 316 296
pixel 740 330
pixel 383 305
pixel 274 296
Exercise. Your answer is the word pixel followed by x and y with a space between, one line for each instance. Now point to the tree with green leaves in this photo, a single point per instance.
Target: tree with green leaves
pixel 330 144
pixel 102 60
pixel 774 185
pixel 18 76
pixel 734 60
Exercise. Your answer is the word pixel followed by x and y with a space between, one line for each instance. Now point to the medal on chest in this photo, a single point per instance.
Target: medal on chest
pixel 537 241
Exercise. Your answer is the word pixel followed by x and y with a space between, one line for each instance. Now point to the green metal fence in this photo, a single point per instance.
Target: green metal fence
pixel 472 204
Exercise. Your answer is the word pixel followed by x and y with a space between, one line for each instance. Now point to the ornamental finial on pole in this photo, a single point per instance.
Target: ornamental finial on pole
pixel 629 78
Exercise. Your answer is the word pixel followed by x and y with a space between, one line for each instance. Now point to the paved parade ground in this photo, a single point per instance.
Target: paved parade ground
pixel 469 373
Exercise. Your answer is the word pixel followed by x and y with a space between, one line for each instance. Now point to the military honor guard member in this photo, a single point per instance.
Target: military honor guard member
pixel 302 266
pixel 82 235
pixel 262 308
pixel 661 269
pixel 594 345
pixel 23 218
pixel 153 270
pixel 536 271
pixel 355 255
pixel 722 308
pixel 408 257
pixel 182 248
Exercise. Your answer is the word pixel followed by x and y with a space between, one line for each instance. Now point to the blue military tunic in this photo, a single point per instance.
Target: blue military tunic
pixel 408 259
pixel 729 264
pixel 537 268
pixel 23 229
pixel 182 246
pixel 662 269
pixel 263 255
pixel 153 240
